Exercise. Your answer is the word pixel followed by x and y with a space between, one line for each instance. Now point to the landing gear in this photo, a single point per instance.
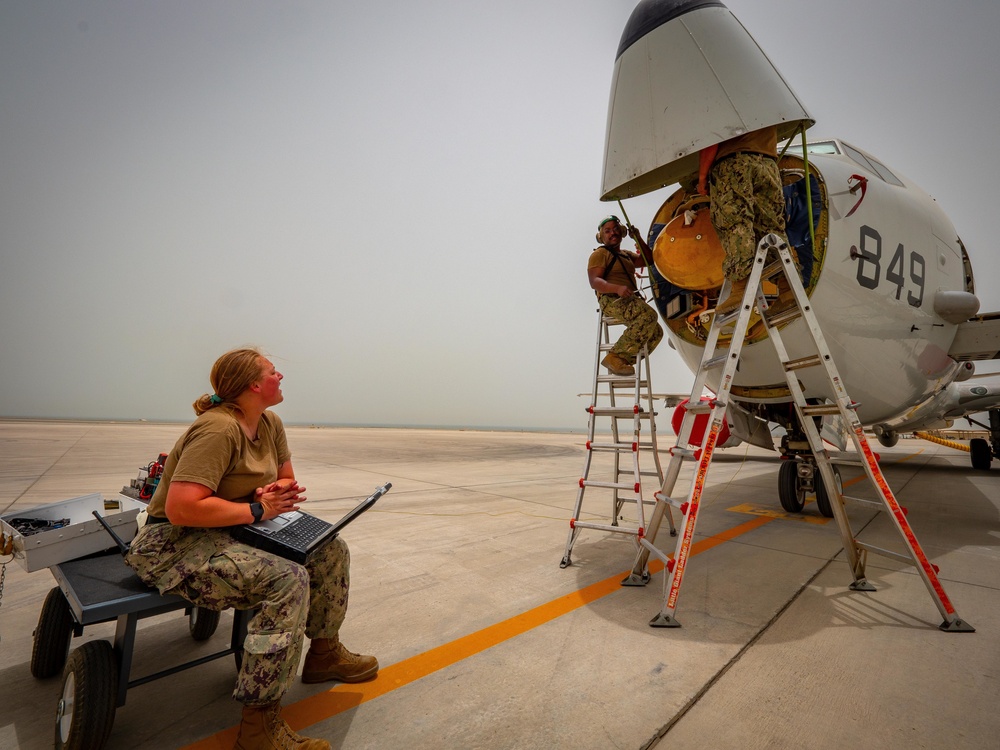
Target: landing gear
pixel 796 478
pixel 982 451
pixel 791 493
pixel 823 497
pixel 981 454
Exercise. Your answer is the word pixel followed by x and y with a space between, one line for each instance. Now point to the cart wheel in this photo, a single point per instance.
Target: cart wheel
pixel 203 622
pixel 52 636
pixel 87 706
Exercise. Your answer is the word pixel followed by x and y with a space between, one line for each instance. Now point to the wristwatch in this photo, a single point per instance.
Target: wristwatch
pixel 258 511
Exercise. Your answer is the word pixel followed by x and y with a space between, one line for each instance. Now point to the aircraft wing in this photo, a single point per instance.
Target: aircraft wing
pixel 977 338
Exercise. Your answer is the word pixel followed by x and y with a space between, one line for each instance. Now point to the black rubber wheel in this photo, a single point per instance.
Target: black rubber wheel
pixel 50 646
pixel 823 498
pixel 792 498
pixel 203 622
pixel 981 454
pixel 87 705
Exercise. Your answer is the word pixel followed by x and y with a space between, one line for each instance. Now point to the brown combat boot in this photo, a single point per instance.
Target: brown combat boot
pixel 735 298
pixel 617 365
pixel 262 728
pixel 327 659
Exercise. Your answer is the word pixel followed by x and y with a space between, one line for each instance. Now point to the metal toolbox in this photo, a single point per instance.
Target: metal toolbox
pixel 81 536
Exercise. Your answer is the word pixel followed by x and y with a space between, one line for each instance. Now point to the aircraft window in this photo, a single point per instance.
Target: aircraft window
pixel 872 165
pixel 823 147
pixel 860 159
pixel 884 173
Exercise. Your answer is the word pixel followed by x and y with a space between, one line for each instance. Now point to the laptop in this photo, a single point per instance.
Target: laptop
pixel 296 535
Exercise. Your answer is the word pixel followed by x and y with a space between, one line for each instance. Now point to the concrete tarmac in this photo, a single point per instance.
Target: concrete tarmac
pixel 485 642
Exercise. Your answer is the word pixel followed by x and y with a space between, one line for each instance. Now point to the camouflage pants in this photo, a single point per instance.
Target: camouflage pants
pixel 212 570
pixel 747 203
pixel 641 325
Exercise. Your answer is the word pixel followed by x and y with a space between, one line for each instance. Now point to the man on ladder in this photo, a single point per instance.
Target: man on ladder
pixel 747 202
pixel 611 271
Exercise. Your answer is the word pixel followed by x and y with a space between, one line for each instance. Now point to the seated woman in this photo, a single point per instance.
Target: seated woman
pixel 233 467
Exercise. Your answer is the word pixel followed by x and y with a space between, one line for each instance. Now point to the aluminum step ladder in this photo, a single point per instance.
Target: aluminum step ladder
pixel 773 261
pixel 627 403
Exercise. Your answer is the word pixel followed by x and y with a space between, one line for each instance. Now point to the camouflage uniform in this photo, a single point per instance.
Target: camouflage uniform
pixel 747 204
pixel 641 325
pixel 210 569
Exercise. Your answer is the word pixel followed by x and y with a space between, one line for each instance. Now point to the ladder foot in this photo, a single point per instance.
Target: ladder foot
pixel 956 626
pixel 634 579
pixel 862 585
pixel 664 621
pixel 566 562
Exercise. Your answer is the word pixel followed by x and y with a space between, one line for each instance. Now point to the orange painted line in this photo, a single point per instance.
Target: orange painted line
pixel 341 697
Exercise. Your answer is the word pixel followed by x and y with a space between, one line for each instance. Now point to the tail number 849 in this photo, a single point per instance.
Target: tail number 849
pixel 898 269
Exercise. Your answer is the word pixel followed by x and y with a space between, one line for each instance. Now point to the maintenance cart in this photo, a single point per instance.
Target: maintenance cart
pixel 82 544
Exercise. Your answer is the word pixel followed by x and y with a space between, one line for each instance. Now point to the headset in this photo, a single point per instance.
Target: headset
pixel 616 220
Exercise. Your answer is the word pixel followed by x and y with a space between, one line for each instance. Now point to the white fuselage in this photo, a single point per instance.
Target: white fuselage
pixel 875 296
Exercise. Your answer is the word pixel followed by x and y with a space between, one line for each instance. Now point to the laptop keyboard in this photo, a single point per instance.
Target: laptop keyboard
pixel 302 532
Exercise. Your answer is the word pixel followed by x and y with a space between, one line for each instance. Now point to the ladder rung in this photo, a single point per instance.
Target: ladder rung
pixel 617 381
pixel 702 407
pixel 605 527
pixel 715 361
pixel 615 447
pixel 817 410
pixel 618 411
pixel 885 552
pixel 609 485
pixel 873 504
pixel 654 550
pixel 797 364
pixel 679 451
pixel 784 315
pixel 668 500
pixel 772 270
pixel 846 461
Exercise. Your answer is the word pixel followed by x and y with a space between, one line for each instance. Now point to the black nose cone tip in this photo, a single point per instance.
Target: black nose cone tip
pixel 651 14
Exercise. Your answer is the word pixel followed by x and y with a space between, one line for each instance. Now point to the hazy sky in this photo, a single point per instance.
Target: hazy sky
pixel 395 200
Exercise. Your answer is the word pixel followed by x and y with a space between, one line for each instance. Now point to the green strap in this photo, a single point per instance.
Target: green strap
pixel 642 253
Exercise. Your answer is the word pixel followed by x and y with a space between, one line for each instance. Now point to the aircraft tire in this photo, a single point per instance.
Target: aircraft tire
pixel 50 645
pixel 88 700
pixel 981 454
pixel 203 622
pixel 792 498
pixel 823 497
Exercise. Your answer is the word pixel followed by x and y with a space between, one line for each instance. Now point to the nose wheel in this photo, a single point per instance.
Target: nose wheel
pixel 796 479
pixel 791 493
